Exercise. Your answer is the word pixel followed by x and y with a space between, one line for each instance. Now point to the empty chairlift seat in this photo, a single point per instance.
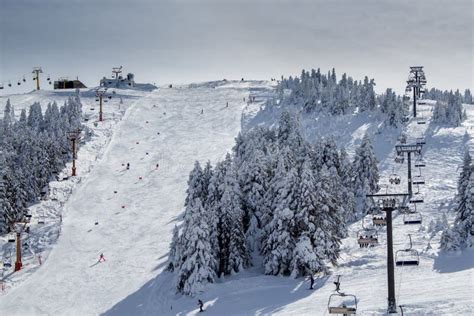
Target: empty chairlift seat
pixel 412 218
pixel 420 141
pixel 341 303
pixel 407 257
pixel 417 198
pixel 418 180
pixel 420 163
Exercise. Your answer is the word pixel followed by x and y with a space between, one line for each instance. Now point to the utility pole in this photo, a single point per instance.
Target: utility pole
pixel 36 72
pixel 409 149
pixel 100 93
pixel 389 204
pixel 73 137
pixel 416 81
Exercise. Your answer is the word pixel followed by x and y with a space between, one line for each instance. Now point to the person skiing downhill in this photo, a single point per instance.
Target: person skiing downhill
pixel 312 282
pixel 101 258
pixel 128 165
pixel 201 305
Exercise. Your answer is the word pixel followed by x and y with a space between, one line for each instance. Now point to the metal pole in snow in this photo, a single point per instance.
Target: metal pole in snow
pixel 392 306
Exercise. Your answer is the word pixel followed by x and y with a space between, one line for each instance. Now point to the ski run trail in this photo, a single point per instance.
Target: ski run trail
pixel 136 210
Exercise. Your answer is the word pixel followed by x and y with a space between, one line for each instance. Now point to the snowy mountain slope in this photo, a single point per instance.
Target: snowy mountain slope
pixel 165 127
pixel 439 286
pixel 135 239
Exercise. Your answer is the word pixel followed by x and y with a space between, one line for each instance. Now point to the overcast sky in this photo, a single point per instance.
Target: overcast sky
pixel 188 41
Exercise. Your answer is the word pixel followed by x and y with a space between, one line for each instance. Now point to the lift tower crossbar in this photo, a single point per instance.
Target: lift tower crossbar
pixel 388 204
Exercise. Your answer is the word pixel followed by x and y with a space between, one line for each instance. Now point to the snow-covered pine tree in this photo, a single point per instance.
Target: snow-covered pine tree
pixel 347 187
pixel 233 252
pixel 465 175
pixel 461 234
pixel 174 254
pixel 198 263
pixel 195 184
pixel 279 242
pixel 366 173
pixel 5 207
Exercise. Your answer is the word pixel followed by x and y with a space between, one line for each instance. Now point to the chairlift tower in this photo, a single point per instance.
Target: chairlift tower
pixel 116 71
pixel 416 81
pixel 18 228
pixel 36 72
pixel 409 149
pixel 100 93
pixel 388 204
pixel 73 136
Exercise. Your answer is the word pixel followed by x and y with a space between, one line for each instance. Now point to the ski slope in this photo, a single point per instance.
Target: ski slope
pixel 164 127
pixel 135 224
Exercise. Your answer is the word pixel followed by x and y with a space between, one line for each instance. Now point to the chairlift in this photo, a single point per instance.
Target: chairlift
pixel 420 163
pixel 379 220
pixel 92 109
pixel 412 218
pixel 417 198
pixel 420 121
pixel 342 303
pixel 417 180
pixel 11 238
pixel 367 237
pixel 408 256
pixel 420 141
pixel 399 159
pixel 97 99
pixel 394 179
pixel 1 86
pixel 403 209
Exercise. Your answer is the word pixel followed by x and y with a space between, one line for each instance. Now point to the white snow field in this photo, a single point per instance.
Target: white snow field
pixel 135 224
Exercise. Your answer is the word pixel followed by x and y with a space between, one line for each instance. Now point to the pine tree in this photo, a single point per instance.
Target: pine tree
pixel 365 169
pixel 197 267
pixel 279 242
pixel 174 259
pixel 466 172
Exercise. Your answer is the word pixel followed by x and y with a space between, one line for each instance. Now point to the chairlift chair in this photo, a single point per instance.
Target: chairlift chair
pixel 1 86
pixel 408 256
pixel 367 237
pixel 394 179
pixel 420 163
pixel 412 218
pixel 417 180
pixel 379 220
pixel 403 209
pixel 342 303
pixel 420 141
pixel 417 198
pixel 11 238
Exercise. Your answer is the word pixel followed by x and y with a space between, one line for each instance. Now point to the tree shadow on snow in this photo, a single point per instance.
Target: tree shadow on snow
pixel 242 294
pixel 454 262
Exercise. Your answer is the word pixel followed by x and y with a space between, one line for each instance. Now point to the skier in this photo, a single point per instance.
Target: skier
pixel 201 305
pixel 312 282
pixel 128 166
pixel 227 105
pixel 157 165
pixel 202 111
pixel 101 258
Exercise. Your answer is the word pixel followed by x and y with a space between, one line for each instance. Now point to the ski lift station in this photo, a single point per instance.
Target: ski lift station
pixel 117 80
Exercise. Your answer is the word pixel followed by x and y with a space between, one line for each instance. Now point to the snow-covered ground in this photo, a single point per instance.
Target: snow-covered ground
pixel 166 127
